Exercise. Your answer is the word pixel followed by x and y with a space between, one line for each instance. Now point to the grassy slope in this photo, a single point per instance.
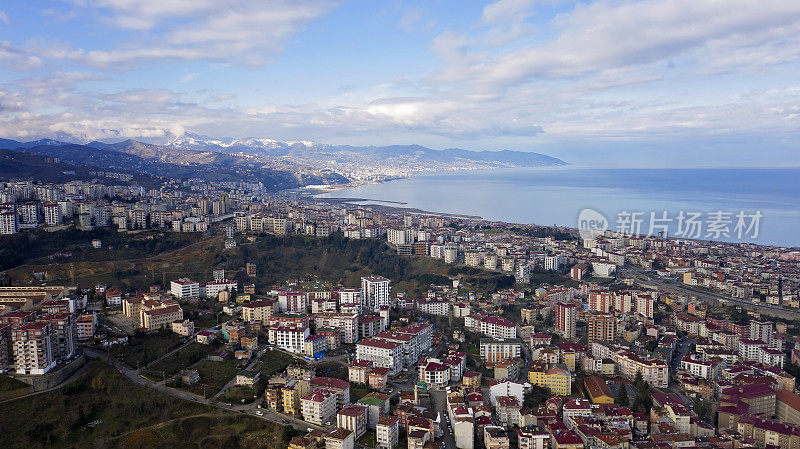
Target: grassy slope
pixel 159 257
pixel 129 416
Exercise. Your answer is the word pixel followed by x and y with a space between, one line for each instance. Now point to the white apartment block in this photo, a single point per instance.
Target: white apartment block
pixel 346 323
pixel 375 292
pixel 213 288
pixel 498 327
pixel 291 339
pixel 292 301
pixel 553 263
pixel 184 288
pixel 387 432
pixel 32 344
pixel 8 223
pixel 52 214
pixel 494 351
pixel 698 368
pixel 319 406
pixel 383 353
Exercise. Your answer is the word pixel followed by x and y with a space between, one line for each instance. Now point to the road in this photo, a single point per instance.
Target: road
pixel 250 409
pixel 647 278
pixel 439 399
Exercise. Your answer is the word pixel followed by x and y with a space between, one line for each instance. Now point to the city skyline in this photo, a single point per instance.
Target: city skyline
pixel 595 83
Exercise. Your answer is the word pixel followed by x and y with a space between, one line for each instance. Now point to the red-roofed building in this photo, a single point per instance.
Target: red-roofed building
pixel 353 417
pixel 338 386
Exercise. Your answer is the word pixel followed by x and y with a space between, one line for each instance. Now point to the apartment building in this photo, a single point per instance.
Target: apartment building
pixel 291 339
pixel 654 371
pixel 259 311
pixel 85 326
pixel 375 291
pixel 494 351
pixel 64 334
pixel 383 353
pixel 184 288
pixel 601 327
pixel 566 316
pixel 558 379
pixel 347 323
pixel 498 327
pixel 387 432
pixel 292 301
pixel 214 288
pixel 33 348
pixel 319 406
pixel 340 439
pixel 353 417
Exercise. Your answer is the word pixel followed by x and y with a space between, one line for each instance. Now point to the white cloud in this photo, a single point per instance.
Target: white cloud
pixel 247 32
pixel 503 10
pixel 629 71
pixel 608 34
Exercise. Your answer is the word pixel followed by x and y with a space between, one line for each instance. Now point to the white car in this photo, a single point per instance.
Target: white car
pixel 259 413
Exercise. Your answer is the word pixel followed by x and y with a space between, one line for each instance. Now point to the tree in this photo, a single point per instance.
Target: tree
pixel 638 381
pixel 622 396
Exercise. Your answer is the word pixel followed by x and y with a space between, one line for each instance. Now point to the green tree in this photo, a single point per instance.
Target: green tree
pixel 622 396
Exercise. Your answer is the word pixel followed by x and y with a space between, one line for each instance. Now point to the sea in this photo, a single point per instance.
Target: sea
pixel 757 205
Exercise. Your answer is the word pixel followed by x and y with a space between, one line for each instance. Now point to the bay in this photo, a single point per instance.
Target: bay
pixel 556 196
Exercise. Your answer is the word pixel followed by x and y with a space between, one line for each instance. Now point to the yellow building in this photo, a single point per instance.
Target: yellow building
pixel 558 380
pixel 598 391
pixel 302 443
pixel 471 379
pixel 569 359
pixel 608 367
pixel 292 393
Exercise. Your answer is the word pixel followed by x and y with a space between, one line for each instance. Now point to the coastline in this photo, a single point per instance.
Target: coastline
pixel 555 196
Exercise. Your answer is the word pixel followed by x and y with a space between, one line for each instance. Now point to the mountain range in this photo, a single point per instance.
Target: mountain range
pixel 276 164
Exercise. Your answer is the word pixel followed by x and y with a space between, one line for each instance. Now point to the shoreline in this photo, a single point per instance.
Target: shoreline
pixel 313 194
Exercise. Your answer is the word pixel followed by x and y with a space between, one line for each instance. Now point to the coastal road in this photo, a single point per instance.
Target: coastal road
pixel 646 278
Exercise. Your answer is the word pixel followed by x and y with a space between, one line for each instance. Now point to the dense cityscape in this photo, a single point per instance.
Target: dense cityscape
pixel 408 224
pixel 514 336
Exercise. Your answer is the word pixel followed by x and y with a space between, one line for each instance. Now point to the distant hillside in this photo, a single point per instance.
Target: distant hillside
pixel 139 159
pixel 311 150
pixel 277 164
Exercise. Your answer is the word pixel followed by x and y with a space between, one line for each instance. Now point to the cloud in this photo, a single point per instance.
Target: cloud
pixel 189 77
pixel 605 35
pixel 4 18
pixel 16 58
pixel 523 75
pixel 503 10
pixel 245 32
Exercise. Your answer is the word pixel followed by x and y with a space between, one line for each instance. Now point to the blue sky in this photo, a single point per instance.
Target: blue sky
pixel 605 82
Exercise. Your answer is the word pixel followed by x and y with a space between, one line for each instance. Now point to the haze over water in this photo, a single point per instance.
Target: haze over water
pixel 548 196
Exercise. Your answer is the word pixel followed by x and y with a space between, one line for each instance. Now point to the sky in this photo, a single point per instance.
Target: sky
pixel 652 83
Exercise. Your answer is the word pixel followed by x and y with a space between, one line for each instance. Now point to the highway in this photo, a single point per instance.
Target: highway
pixel 649 279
